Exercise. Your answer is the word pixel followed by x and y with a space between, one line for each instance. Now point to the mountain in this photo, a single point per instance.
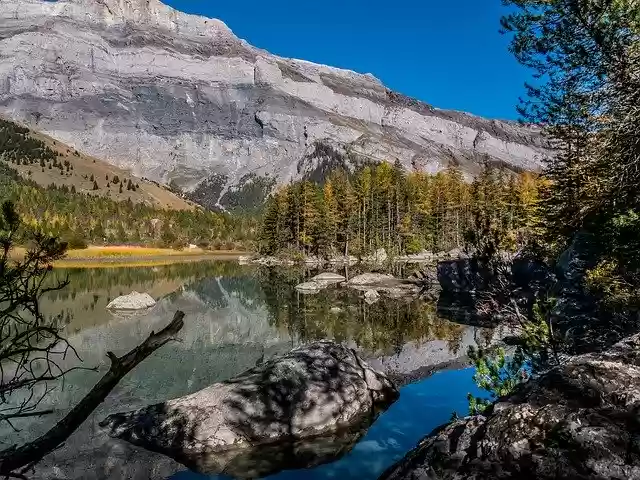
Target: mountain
pixel 46 162
pixel 180 99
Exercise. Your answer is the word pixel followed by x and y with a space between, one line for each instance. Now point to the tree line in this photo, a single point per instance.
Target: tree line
pixel 79 219
pixel 585 92
pixel 383 206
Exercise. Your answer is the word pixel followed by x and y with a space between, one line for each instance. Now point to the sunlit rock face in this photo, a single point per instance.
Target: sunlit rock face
pixel 177 97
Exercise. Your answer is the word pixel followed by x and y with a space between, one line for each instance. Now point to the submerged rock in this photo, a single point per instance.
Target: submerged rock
pixel 309 287
pixel 371 279
pixel 319 282
pixel 133 301
pixel 230 427
pixel 328 278
pixel 579 420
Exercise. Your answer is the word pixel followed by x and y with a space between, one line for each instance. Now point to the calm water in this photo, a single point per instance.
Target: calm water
pixel 237 317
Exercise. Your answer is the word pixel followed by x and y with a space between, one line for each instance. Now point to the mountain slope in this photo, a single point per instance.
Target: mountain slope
pixel 179 98
pixel 63 166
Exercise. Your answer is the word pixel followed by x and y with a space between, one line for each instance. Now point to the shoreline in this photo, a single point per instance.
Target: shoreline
pixel 114 256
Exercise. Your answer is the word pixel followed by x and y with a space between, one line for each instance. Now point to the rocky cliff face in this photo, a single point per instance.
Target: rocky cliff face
pixel 177 97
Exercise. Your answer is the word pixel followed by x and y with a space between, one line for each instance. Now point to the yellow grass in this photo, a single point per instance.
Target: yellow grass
pixel 118 251
pixel 127 256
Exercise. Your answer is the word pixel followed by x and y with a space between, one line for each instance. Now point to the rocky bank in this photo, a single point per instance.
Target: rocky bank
pixel 579 420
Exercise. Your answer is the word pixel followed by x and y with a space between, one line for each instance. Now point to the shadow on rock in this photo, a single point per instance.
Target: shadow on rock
pixel 306 408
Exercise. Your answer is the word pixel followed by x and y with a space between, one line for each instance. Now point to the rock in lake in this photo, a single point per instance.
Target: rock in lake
pixel 371 279
pixel 328 278
pixel 311 401
pixel 579 420
pixel 319 282
pixel 133 301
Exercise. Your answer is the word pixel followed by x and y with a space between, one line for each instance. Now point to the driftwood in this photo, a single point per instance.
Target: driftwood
pixel 14 461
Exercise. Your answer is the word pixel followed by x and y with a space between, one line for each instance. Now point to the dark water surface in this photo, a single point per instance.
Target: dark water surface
pixel 237 317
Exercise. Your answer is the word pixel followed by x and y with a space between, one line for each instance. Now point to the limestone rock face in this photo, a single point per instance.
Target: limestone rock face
pixel 577 421
pixel 177 97
pixel 232 427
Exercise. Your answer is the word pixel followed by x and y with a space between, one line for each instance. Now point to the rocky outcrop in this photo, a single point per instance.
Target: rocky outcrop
pixel 179 98
pixel 578 420
pixel 133 301
pixel 304 400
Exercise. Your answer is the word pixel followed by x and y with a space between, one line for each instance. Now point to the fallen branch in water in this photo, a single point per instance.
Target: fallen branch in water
pixel 26 456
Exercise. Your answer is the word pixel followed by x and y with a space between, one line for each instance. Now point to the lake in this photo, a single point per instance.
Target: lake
pixel 236 318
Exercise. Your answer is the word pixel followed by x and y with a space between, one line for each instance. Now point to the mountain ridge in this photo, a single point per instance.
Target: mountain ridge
pixel 180 99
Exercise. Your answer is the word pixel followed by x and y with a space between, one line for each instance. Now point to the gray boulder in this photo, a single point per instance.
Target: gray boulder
pixel 303 401
pixel 579 420
pixel 319 282
pixel 371 279
pixel 328 278
pixel 133 301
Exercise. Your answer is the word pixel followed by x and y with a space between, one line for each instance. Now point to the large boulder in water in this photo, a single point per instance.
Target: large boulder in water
pixel 579 420
pixel 314 400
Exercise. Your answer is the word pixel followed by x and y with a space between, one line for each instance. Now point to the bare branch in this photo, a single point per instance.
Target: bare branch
pixel 13 459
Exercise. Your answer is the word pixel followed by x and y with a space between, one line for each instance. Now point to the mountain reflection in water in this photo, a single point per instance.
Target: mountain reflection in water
pixel 237 317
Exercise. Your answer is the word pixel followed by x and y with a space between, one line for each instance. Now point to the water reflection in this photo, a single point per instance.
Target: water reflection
pixel 236 317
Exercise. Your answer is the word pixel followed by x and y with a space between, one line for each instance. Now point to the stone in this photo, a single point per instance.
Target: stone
pixel 371 279
pixel 226 115
pixel 579 420
pixel 319 282
pixel 314 393
pixel 133 301
pixel 328 278
pixel 371 296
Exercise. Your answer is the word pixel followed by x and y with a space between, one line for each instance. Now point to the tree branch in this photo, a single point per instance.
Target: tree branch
pixel 14 458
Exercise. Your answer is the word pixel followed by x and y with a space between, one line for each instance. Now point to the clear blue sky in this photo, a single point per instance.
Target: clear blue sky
pixel 446 53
